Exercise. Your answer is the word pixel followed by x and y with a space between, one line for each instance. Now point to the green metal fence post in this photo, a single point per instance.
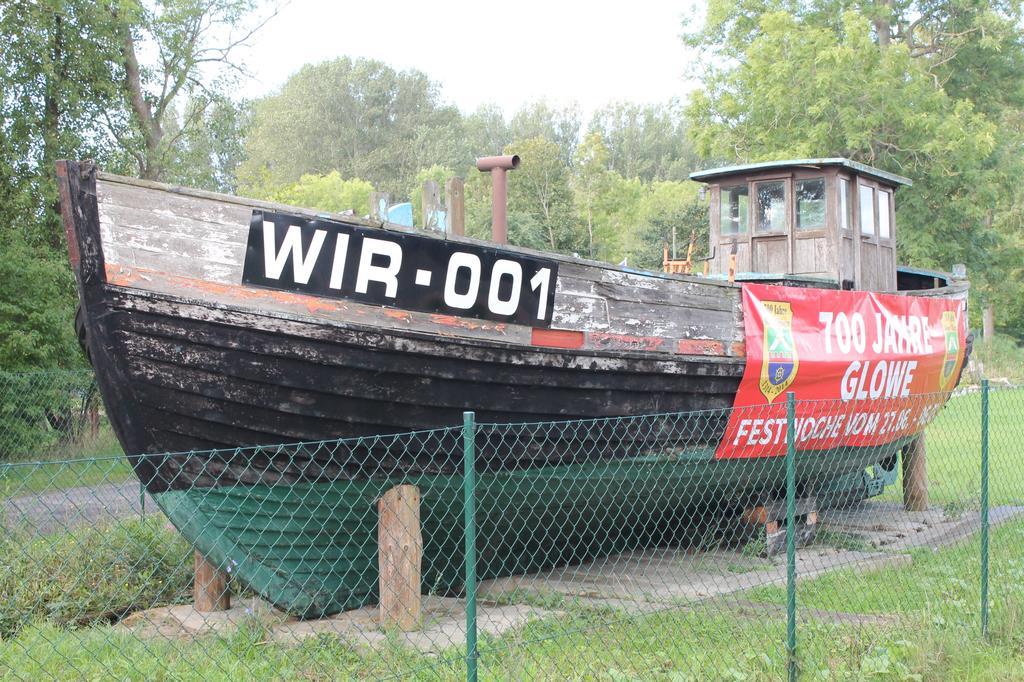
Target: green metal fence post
pixel 469 507
pixel 791 535
pixel 984 508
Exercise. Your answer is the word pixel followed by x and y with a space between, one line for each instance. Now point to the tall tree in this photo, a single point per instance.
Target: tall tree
pixel 645 141
pixel 211 148
pixel 540 189
pixel 560 126
pixel 194 42
pixel 806 86
pixel 591 180
pixel 70 87
pixel 487 132
pixel 55 79
pixel 359 117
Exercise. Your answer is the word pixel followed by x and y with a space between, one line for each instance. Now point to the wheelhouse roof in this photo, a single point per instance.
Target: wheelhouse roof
pixel 860 168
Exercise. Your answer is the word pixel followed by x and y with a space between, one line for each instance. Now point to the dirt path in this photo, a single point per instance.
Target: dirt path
pixel 50 512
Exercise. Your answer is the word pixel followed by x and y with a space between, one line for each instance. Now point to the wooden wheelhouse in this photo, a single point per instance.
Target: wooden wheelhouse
pixel 826 219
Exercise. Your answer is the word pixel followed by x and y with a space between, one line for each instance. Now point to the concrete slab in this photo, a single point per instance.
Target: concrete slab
pixel 887 526
pixel 869 537
pixel 443 626
pixel 184 621
pixel 642 581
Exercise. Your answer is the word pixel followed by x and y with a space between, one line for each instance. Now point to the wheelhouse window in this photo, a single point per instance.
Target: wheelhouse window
pixel 810 204
pixel 883 214
pixel 735 203
pixel 845 206
pixel 867 209
pixel 771 206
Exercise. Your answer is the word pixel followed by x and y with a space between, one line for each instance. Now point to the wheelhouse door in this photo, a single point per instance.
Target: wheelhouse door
pixel 770 238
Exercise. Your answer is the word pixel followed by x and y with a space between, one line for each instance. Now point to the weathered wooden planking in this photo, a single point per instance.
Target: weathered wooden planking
pixel 201 195
pixel 956 290
pixel 154 339
pixel 203 239
pixel 343 392
pixel 336 311
pixel 813 256
pixel 301 327
pixel 581 312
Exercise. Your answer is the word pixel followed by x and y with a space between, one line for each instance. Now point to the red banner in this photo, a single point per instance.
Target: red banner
pixel 867 368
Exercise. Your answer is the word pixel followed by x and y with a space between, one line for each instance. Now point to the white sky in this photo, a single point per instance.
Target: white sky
pixel 484 51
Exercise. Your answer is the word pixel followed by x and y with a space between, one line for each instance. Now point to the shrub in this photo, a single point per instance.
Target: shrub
pixel 91 574
pixel 41 410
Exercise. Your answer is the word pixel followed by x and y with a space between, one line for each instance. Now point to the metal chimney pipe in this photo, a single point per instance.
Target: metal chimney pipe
pixel 497 167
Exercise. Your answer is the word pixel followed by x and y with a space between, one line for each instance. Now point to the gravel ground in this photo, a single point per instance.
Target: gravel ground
pixel 50 512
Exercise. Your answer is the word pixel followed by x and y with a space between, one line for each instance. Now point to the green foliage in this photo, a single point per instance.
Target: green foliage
pixel 998 358
pixel 646 141
pixel 930 90
pixel 559 126
pixel 804 92
pixel 65 93
pixel 359 117
pixel 43 411
pixel 91 574
pixel 55 82
pixel 325 193
pixel 487 131
pixel 173 64
pixel 35 335
pixel 539 190
pixel 669 208
pixel 591 182
pixel 37 308
pixel 212 147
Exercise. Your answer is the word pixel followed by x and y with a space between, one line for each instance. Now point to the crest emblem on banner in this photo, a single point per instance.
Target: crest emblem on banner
pixel 779 361
pixel 952 349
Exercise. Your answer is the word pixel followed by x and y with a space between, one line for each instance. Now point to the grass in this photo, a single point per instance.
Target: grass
pixel 57 595
pixel 943 585
pixel 91 574
pixel 41 477
pixel 934 637
pixel 954 451
pixel 91 461
pixel 1000 358
pixel 60 592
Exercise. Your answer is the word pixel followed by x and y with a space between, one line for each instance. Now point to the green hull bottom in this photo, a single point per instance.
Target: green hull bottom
pixel 311 549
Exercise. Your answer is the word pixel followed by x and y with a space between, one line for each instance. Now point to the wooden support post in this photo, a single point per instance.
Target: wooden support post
pixel 379 203
pixel 431 205
pixel 400 550
pixel 455 202
pixel 770 519
pixel 210 587
pixel 915 475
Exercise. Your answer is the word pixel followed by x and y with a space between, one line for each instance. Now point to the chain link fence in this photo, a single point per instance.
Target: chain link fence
pixel 53 414
pixel 616 549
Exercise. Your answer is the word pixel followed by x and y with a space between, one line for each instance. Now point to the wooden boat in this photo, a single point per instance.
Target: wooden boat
pixel 215 323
